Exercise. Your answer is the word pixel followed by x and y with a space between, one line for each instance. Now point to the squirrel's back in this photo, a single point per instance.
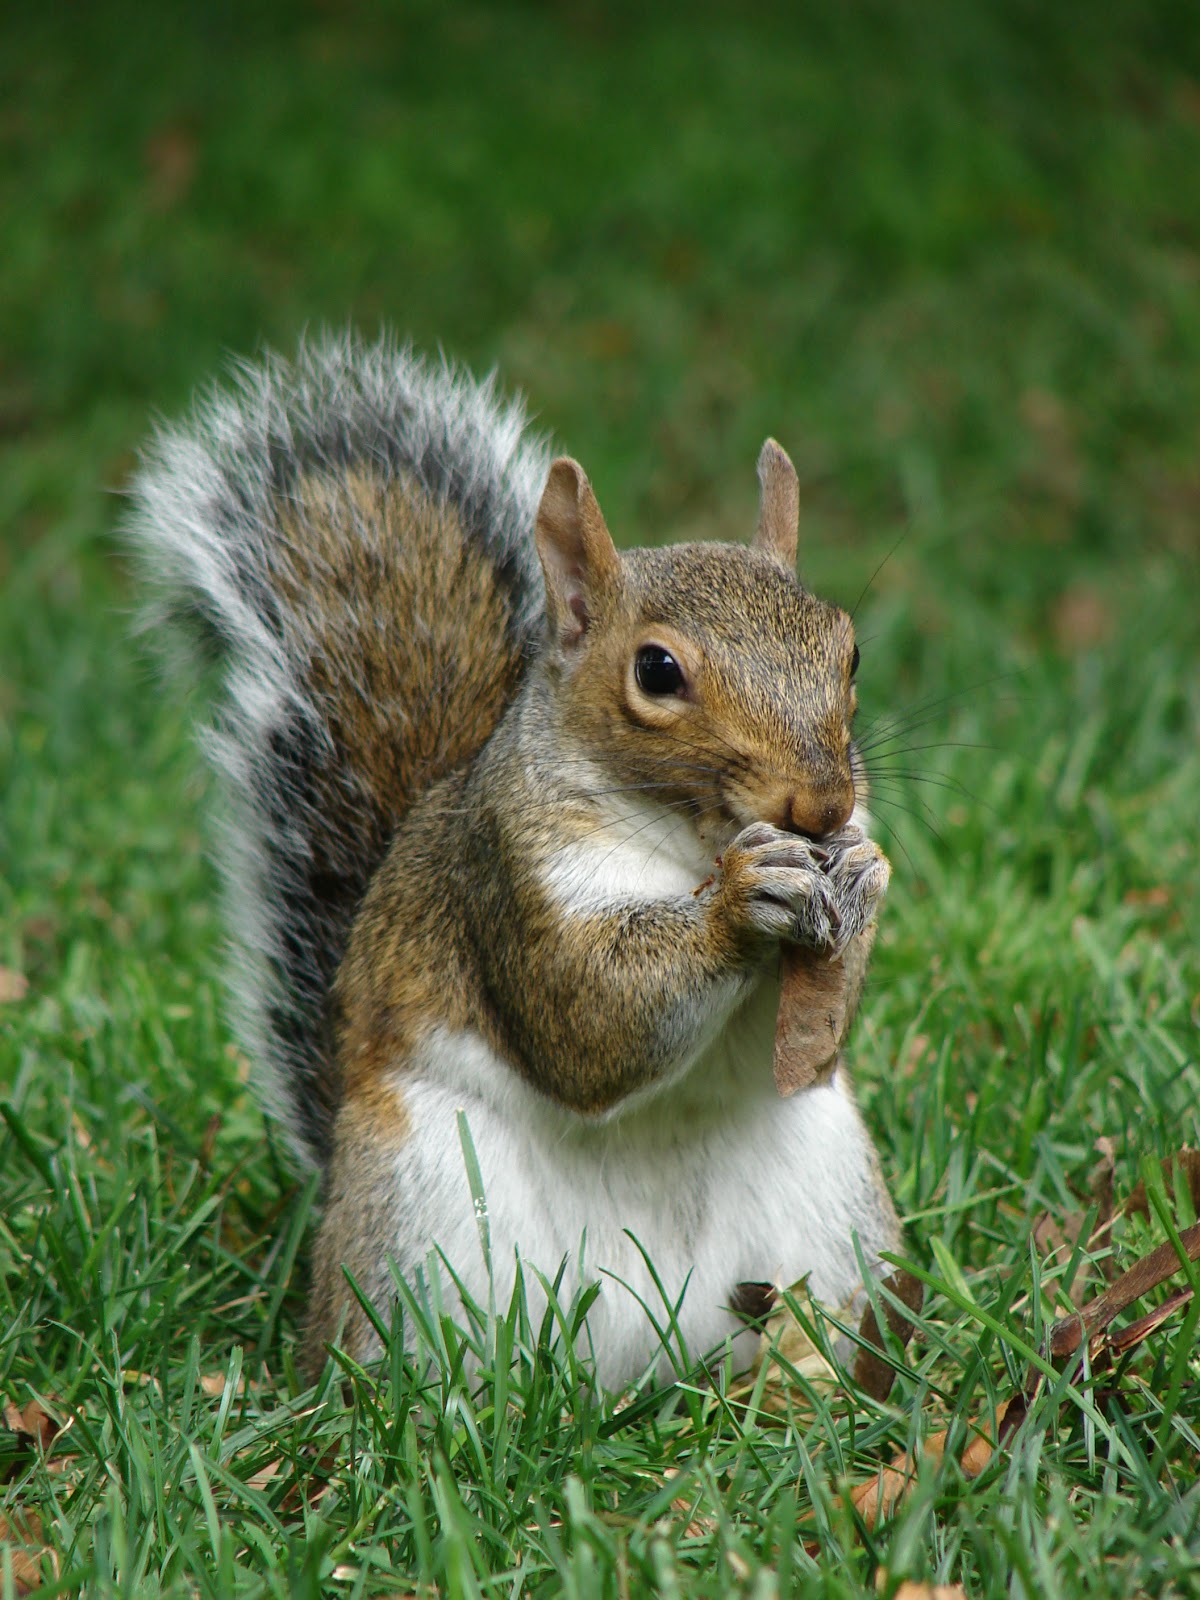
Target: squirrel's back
pixel 354 533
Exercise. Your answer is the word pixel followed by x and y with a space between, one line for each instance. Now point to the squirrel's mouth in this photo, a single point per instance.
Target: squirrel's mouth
pixel 814 823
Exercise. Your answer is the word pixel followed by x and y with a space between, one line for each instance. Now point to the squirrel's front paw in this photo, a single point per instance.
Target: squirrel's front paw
pixel 859 873
pixel 777 884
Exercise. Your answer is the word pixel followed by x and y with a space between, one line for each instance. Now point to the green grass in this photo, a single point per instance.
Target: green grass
pixel 950 256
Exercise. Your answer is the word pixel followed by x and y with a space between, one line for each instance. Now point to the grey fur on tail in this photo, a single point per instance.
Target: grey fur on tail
pixel 209 522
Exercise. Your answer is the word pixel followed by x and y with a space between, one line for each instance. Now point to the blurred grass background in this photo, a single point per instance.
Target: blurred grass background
pixel 948 254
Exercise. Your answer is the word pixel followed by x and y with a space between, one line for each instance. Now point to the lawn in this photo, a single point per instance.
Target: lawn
pixel 950 257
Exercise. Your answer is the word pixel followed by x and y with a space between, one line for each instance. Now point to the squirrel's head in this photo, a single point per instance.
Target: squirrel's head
pixel 702 675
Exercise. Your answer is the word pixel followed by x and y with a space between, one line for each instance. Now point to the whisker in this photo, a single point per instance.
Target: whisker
pixel 934 703
pixel 916 816
pixel 669 836
pixel 939 780
pixel 904 849
pixel 620 844
pixel 684 809
pixel 910 749
pixel 657 763
pixel 927 811
pixel 867 586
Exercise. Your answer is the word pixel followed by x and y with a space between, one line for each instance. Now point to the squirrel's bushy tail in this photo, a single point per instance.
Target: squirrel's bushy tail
pixel 354 533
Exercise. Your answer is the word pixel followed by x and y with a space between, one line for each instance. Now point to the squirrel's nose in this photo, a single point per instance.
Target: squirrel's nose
pixel 815 815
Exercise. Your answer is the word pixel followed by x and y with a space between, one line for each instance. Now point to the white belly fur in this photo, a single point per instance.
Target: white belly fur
pixel 718 1178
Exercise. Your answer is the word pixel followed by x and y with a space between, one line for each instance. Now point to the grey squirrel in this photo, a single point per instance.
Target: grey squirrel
pixel 529 828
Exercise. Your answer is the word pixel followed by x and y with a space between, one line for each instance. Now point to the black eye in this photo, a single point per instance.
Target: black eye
pixel 854 662
pixel 657 671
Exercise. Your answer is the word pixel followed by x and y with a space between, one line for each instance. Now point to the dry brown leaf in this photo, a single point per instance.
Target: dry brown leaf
pixel 171 154
pixel 304 1487
pixel 697 1527
pixel 144 1380
pixel 753 1301
pixel 26 1569
pixel 1081 619
pixel 1185 1162
pixel 783 1339
pixel 209 1142
pixel 1157 898
pixel 1057 1236
pixel 13 985
pixel 22 1543
pixel 916 1056
pixel 811 1019
pixel 1128 1338
pixel 261 1478
pixel 1100 1180
pixel 1054 1236
pixel 20 1527
pixel 926 1591
pixel 215 1384
pixel 32 1420
pixel 1055 1239
pixel 976 1456
pixel 1093 1320
pixel 872 1373
pixel 876 1499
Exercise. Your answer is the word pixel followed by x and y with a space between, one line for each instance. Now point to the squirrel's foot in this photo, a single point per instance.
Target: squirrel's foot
pixel 859 873
pixel 777 884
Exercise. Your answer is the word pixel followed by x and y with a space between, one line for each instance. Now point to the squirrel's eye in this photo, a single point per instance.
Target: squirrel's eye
pixel 854 662
pixel 657 671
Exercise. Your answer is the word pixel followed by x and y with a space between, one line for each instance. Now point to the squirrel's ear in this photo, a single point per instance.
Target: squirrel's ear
pixel 579 559
pixel 779 507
